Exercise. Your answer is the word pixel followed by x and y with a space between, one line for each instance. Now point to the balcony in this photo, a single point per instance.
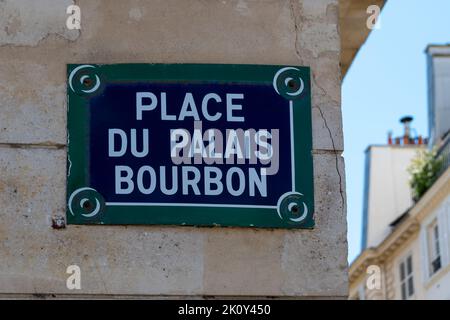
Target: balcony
pixel 443 154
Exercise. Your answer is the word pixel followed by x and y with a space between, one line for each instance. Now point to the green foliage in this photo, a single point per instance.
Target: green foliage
pixel 424 170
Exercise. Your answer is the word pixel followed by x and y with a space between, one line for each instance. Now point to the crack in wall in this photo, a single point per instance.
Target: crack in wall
pixel 297 29
pixel 54 35
pixel 336 157
pixel 36 25
pixel 42 145
pixel 341 192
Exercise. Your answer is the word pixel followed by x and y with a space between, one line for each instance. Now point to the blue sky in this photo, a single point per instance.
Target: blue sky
pixel 386 81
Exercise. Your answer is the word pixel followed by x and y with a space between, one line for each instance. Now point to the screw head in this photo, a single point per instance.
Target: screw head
pixel 58 222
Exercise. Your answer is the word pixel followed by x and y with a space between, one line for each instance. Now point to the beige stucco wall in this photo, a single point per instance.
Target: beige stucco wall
pixel 390 276
pixel 435 204
pixel 35 47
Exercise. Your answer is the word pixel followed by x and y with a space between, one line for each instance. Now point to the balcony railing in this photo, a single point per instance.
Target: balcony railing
pixel 444 154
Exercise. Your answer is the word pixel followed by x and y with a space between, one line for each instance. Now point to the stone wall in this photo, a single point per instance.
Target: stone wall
pixel 35 47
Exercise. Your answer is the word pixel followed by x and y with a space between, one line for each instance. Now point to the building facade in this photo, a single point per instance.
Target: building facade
pixel 410 256
pixel 412 262
pixel 387 192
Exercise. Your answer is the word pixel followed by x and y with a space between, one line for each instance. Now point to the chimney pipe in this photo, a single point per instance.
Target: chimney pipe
pixel 406 121
pixel 390 138
pixel 420 140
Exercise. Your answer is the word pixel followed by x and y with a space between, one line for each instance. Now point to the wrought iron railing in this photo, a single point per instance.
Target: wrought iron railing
pixel 444 155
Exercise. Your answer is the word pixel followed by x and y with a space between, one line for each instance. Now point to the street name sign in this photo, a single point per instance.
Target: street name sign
pixel 189 144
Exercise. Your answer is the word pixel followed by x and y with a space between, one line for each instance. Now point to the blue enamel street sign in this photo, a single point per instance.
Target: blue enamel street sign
pixel 190 144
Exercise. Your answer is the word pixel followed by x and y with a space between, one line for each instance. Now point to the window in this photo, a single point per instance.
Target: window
pixel 434 250
pixel 406 278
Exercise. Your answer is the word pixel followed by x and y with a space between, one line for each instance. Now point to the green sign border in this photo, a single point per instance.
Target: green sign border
pixel 86 206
